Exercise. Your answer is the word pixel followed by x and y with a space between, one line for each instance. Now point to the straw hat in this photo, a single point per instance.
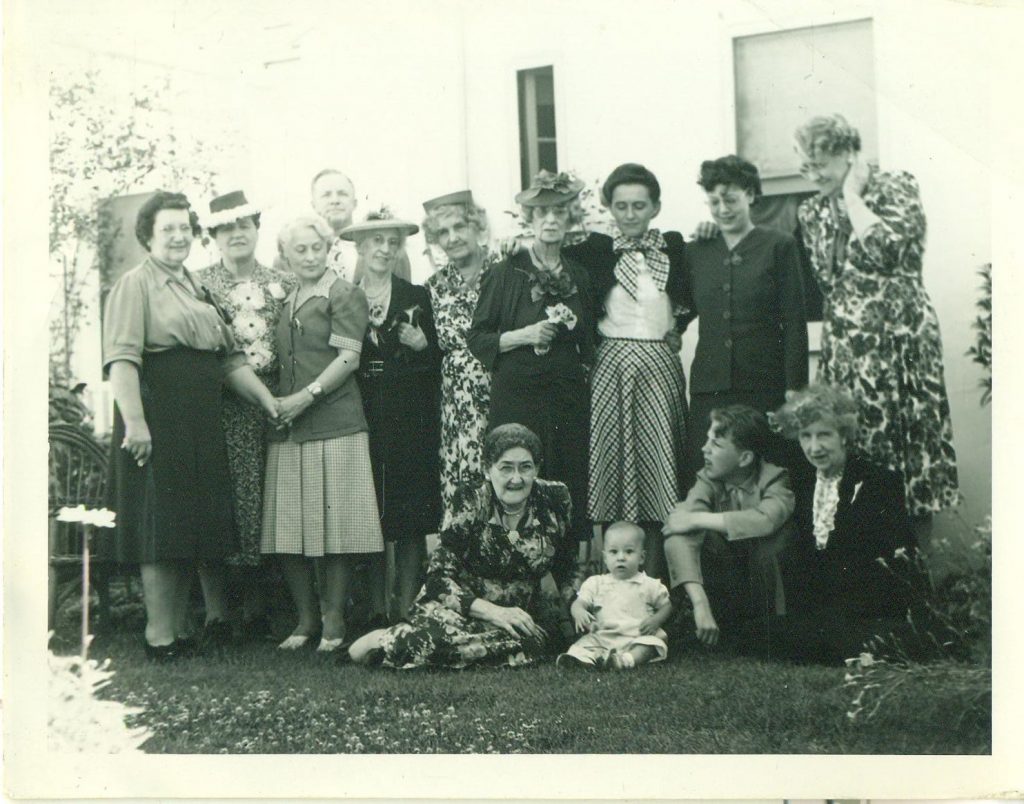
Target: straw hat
pixel 377 220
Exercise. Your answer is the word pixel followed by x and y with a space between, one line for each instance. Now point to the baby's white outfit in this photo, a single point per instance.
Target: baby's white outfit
pixel 619 606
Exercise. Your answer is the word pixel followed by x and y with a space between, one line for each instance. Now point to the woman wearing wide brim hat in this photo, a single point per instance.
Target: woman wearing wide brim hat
pixel 533 328
pixel 252 295
pixel 399 379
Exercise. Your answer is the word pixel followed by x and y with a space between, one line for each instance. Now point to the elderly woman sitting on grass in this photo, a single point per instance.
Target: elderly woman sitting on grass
pixel 483 594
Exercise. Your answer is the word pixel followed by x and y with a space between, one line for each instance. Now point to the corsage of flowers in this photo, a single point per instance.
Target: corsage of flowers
pixel 557 314
pixel 551 285
pixel 377 316
pixel 247 296
pixel 276 291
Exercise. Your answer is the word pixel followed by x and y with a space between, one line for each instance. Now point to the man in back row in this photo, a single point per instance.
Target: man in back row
pixel 333 197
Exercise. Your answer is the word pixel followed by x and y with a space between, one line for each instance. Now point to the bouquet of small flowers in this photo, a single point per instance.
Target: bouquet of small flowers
pixel 557 314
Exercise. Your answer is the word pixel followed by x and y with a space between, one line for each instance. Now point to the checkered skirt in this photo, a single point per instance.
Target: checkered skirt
pixel 319 498
pixel 637 431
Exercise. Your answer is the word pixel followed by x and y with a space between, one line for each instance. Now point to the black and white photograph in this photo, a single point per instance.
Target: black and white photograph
pixel 586 384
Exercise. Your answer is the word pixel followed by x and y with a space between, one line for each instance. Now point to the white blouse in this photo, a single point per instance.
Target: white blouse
pixel 826 501
pixel 647 318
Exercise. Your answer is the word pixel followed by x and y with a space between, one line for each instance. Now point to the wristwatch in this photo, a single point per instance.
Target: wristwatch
pixel 315 389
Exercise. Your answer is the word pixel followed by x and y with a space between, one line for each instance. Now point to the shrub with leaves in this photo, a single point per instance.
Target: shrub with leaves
pixel 981 352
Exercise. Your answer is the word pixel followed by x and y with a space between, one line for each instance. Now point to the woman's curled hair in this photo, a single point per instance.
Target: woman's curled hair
pixel 827 135
pixel 728 170
pixel 816 403
pixel 160 200
pixel 472 214
pixel 509 436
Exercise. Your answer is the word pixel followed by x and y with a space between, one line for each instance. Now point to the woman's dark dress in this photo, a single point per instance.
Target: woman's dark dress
pixel 547 393
pixel 401 399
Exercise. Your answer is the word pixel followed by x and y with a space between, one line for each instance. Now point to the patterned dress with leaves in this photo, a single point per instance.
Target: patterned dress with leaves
pixel 254 305
pixel 479 558
pixel 880 335
pixel 465 382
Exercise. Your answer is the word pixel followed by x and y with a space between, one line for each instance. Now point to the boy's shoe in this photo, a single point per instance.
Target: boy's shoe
pixel 566 661
pixel 621 661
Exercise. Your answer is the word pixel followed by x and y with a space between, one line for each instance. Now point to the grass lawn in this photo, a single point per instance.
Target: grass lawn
pixel 256 699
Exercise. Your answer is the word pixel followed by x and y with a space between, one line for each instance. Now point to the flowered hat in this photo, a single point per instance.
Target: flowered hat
pixel 461 197
pixel 377 220
pixel 228 208
pixel 548 189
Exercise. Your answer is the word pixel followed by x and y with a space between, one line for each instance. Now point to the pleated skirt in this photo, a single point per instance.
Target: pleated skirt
pixel 319 498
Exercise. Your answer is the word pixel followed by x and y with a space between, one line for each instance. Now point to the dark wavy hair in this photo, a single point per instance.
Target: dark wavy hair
pixel 509 436
pixel 727 170
pixel 630 173
pixel 160 200
pixel 212 231
pixel 748 428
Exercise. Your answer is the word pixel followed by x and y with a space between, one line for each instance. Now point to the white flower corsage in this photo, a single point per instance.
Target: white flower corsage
pixel 247 296
pixel 557 314
pixel 249 326
pixel 258 356
pixel 275 290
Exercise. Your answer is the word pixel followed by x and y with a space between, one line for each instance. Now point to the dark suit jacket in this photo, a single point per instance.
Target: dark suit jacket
pixel 599 258
pixel 750 302
pixel 871 523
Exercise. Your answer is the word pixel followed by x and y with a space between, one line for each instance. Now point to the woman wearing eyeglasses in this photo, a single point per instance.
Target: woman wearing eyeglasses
pixel 748 294
pixel 880 336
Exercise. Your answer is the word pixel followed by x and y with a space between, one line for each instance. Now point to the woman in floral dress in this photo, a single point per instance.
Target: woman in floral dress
pixel 252 295
pixel 880 335
pixel 456 224
pixel 489 578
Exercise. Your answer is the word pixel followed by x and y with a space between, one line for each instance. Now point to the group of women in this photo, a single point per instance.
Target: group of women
pixel 355 414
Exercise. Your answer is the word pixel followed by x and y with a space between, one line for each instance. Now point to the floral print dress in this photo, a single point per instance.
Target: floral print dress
pixel 880 335
pixel 465 381
pixel 479 558
pixel 254 305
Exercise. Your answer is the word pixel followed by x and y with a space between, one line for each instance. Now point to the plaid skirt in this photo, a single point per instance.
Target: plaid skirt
pixel 319 498
pixel 637 431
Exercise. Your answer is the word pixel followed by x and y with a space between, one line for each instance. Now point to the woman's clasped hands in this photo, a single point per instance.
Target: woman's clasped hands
pixel 288 408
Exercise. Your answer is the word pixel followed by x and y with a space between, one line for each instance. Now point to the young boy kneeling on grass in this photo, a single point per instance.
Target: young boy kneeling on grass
pixel 722 540
pixel 621 612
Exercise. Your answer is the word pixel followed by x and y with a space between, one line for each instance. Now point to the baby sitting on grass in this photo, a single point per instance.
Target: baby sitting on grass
pixel 621 612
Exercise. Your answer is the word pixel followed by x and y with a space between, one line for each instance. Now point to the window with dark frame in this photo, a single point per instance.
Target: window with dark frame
pixel 537 141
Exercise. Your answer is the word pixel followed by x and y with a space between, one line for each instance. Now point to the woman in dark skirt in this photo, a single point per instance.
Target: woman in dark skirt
pixel 400 381
pixel 533 328
pixel 168 351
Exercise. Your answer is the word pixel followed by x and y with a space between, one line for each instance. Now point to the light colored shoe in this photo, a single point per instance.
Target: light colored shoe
pixel 621 661
pixel 295 642
pixel 328 645
pixel 363 650
pixel 566 661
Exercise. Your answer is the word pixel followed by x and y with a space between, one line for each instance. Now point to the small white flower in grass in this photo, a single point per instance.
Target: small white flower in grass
pixel 276 291
pixel 900 553
pixel 97 517
pixel 866 660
